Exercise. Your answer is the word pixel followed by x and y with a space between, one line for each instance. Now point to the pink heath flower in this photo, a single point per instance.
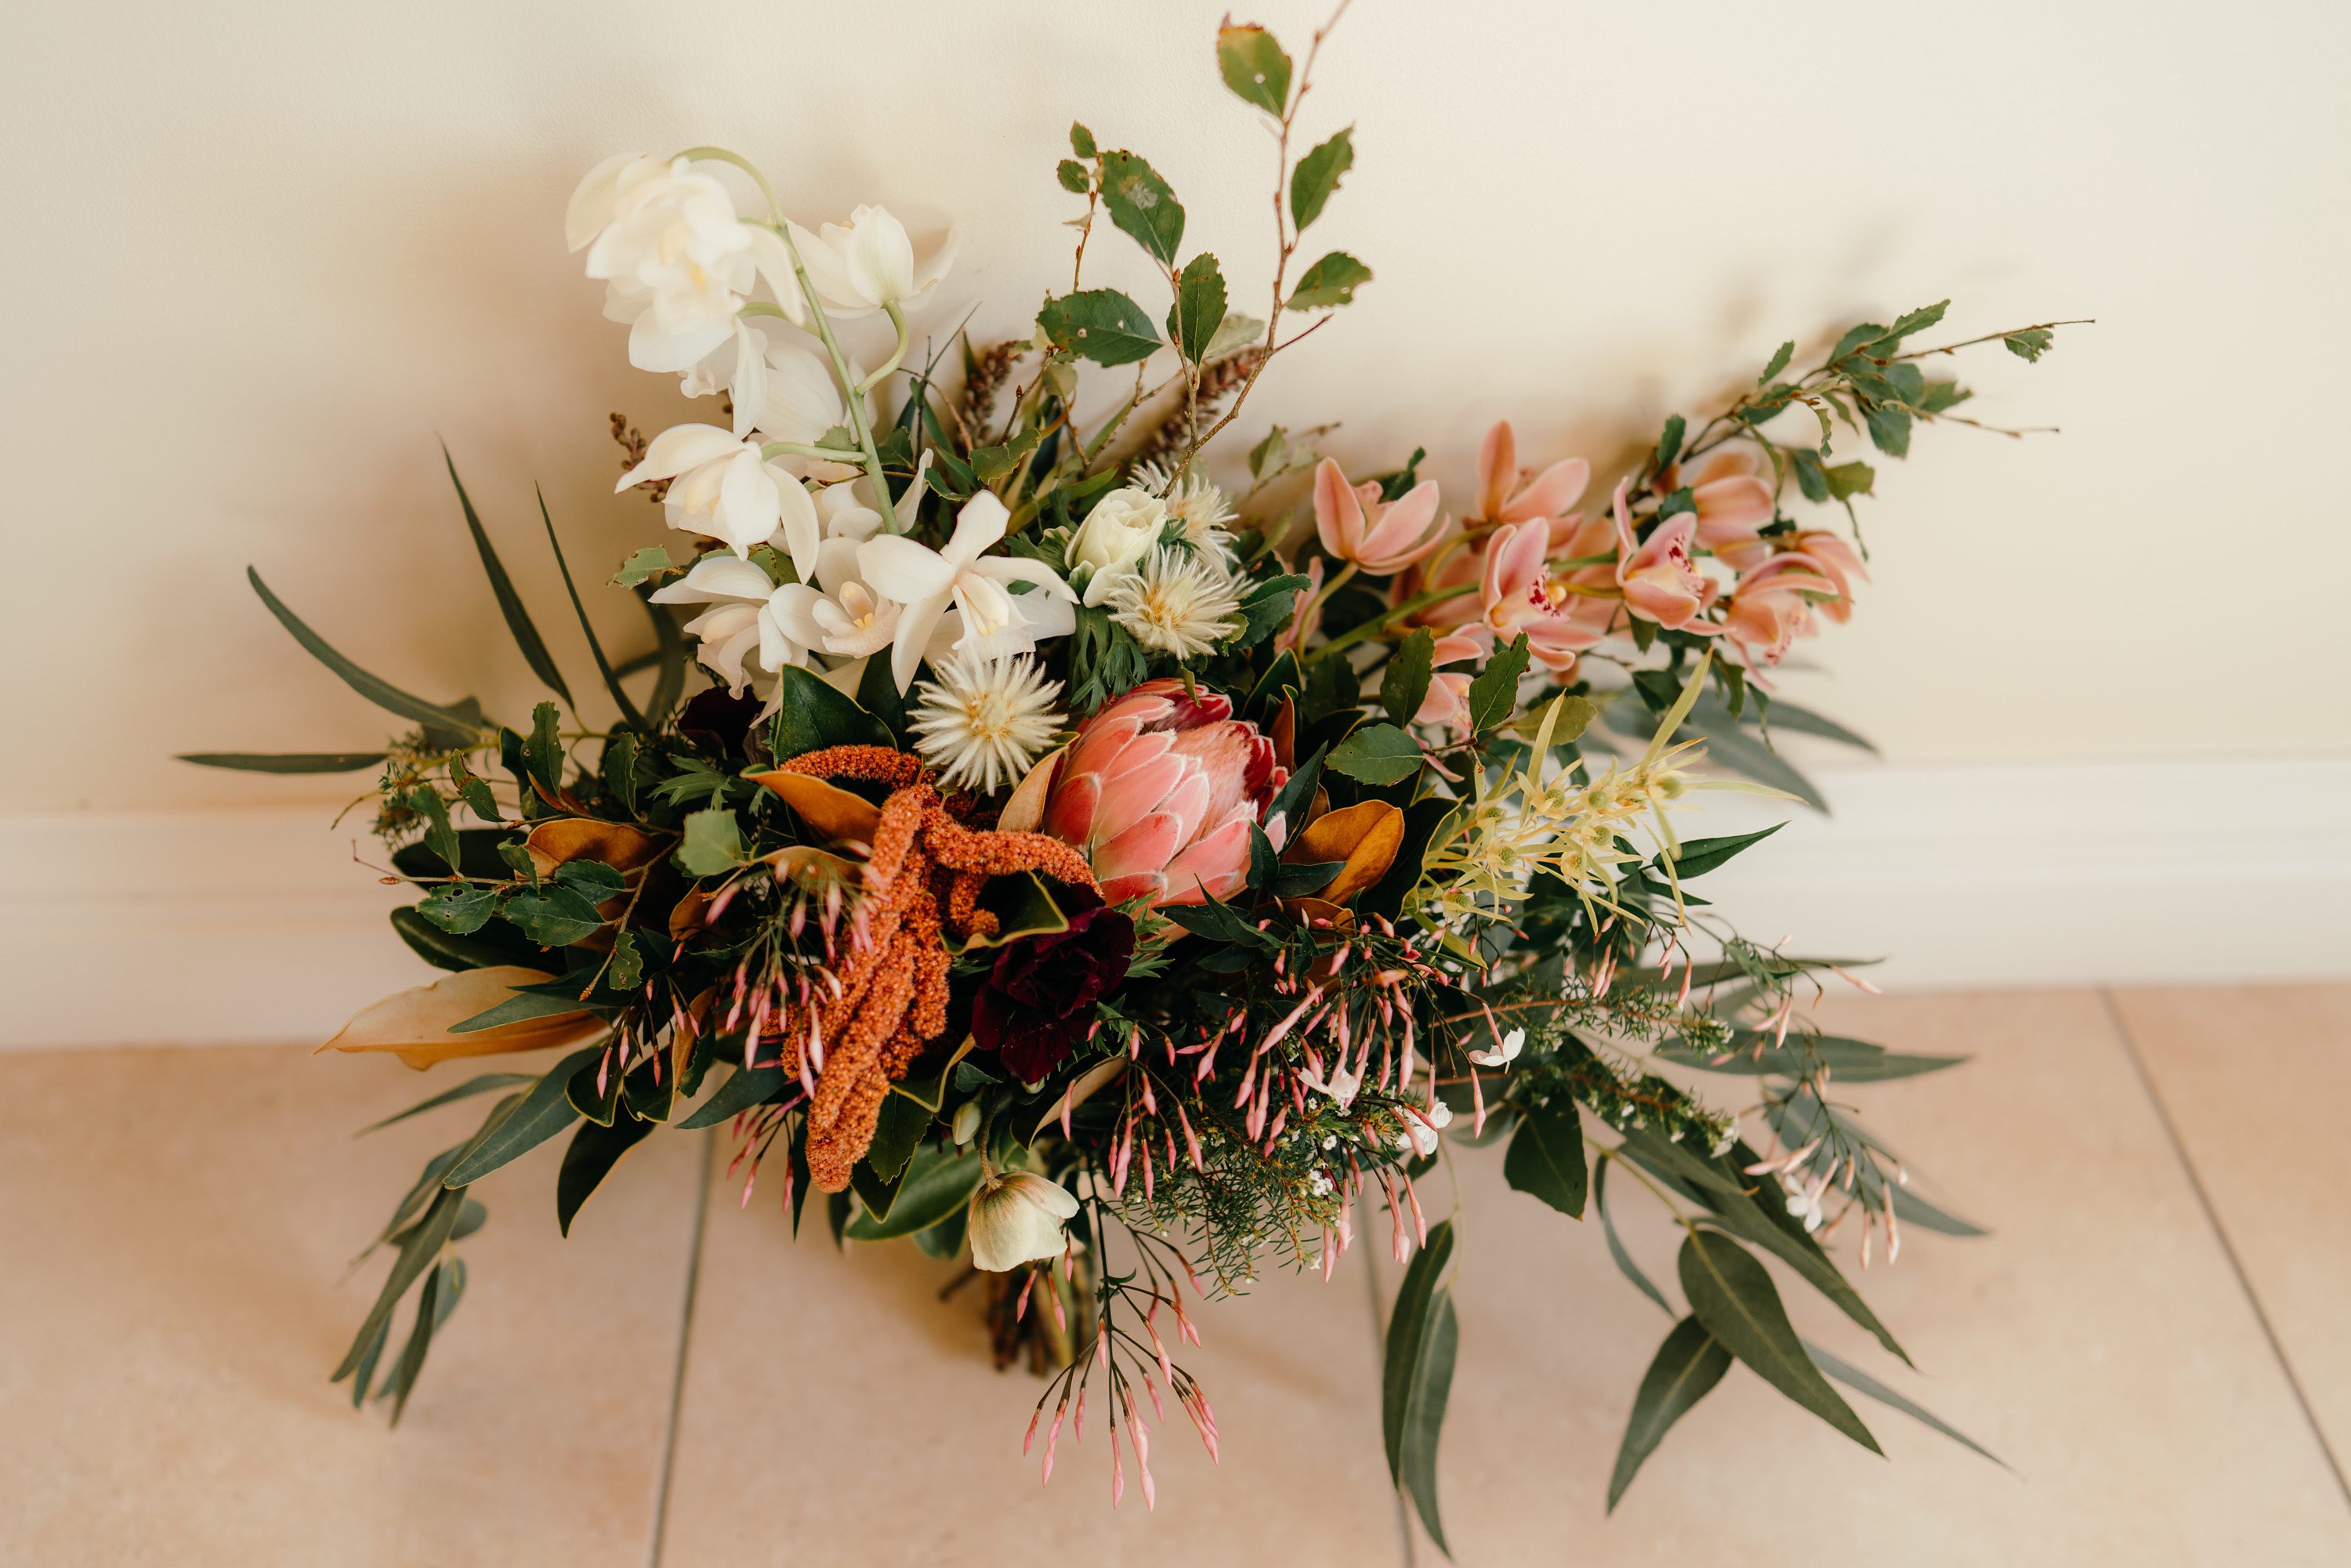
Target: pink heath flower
pixel 1518 594
pixel 1510 494
pixel 1160 789
pixel 1382 538
pixel 1658 579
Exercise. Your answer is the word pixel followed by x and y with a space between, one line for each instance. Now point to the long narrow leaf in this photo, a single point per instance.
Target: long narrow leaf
pixel 544 1111
pixel 629 714
pixel 518 622
pixel 377 690
pixel 668 652
pixel 480 1085
pixel 1733 1296
pixel 1855 1378
pixel 424 1245
pixel 1624 1264
pixel 1688 1366
pixel 1432 1387
pixel 284 761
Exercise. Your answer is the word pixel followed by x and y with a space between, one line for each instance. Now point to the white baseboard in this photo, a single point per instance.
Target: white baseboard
pixel 248 926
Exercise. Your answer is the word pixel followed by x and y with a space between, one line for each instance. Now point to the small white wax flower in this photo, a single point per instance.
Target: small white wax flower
pixel 1017 1217
pixel 1502 1056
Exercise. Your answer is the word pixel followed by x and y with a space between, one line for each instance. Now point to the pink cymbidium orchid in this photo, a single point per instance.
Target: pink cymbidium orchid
pixel 1517 595
pixel 1382 538
pixel 1839 560
pixel 1771 606
pixel 1510 494
pixel 1659 581
pixel 1734 502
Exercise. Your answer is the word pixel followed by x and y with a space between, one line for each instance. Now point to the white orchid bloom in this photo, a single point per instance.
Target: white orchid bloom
pixel 723 489
pixel 1115 540
pixel 845 512
pixel 1504 1054
pixel 930 583
pixel 1017 1217
pixel 677 259
pixel 869 265
pixel 841 615
pixel 740 636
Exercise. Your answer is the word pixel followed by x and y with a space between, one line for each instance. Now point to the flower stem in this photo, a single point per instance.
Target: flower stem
pixel 1410 607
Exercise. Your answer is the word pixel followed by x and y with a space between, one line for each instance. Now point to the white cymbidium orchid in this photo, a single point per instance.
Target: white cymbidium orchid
pixel 1503 1054
pixel 780 389
pixel 740 635
pixel 869 264
pixel 677 259
pixel 840 615
pixel 930 583
pixel 723 488
pixel 1015 1217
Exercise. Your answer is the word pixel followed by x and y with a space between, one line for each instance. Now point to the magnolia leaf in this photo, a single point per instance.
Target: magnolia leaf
pixel 811 714
pixel 562 840
pixel 826 809
pixel 1362 838
pixel 937 1184
pixel 416 1025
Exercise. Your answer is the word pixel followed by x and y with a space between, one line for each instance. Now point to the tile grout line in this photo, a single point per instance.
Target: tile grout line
pixel 1379 1367
pixel 2219 1232
pixel 685 1338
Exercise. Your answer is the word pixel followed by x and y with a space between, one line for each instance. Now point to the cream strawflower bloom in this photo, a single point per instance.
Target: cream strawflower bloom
pixel 1017 1217
pixel 985 721
pixel 1201 507
pixel 1178 603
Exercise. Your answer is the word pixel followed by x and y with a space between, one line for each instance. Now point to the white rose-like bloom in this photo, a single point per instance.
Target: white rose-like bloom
pixel 740 624
pixel 677 260
pixel 859 268
pixel 722 488
pixel 1116 537
pixel 1015 1217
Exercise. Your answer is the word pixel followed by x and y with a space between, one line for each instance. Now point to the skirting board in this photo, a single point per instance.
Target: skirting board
pixel 248 926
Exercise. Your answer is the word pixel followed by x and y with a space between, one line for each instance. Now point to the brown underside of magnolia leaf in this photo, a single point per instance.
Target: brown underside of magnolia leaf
pixel 414 1025
pixel 1364 837
pixel 827 809
pixel 1025 811
pixel 567 839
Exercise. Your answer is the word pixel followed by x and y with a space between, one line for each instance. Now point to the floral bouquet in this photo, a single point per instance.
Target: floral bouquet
pixel 1083 860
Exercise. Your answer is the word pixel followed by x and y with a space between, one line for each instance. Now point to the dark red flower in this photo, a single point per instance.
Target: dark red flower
pixel 1039 1000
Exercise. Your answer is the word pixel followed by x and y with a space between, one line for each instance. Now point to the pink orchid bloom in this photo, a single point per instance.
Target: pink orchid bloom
pixel 1837 558
pixel 1160 789
pixel 1771 606
pixel 1448 701
pixel 1659 583
pixel 1734 501
pixel 1306 609
pixel 1510 494
pixel 1518 594
pixel 1382 538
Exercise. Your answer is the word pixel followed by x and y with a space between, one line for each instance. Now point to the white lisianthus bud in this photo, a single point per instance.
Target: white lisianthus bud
pixel 1015 1217
pixel 966 1121
pixel 1116 537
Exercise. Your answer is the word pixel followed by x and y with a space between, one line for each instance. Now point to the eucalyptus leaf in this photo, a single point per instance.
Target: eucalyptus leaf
pixel 1733 1296
pixel 542 1112
pixel 1685 1370
pixel 1545 1158
pixel 284 761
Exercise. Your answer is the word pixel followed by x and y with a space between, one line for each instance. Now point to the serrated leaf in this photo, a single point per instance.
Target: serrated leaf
pixel 1101 324
pixel 1199 308
pixel 1889 429
pixel 1253 66
pixel 1073 176
pixel 1403 686
pixel 1081 141
pixel 644 565
pixel 593 880
pixel 1237 332
pixel 1778 361
pixel 1317 176
pixel 1377 754
pixel 1733 1296
pixel 1670 446
pixel 712 844
pixel 1330 282
pixel 1684 1371
pixel 1494 694
pixel 2029 345
pixel 552 916
pixel 1545 1159
pixel 1142 207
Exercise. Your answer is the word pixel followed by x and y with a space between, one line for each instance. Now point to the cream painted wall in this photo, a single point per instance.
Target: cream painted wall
pixel 260 254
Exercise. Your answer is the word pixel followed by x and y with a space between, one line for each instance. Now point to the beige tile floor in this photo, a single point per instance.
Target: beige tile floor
pixel 2151 1339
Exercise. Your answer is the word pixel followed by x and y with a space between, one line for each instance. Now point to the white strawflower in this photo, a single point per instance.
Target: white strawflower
pixel 984 721
pixel 1180 603
pixel 1200 507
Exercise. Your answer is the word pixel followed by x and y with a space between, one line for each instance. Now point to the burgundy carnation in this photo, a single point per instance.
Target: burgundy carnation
pixel 1038 1001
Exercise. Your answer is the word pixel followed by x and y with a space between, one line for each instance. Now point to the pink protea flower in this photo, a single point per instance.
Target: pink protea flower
pixel 1518 594
pixel 1510 494
pixel 1160 789
pixel 1658 581
pixel 1355 527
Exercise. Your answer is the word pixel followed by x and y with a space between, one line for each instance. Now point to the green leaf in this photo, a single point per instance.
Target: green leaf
pixel 1268 608
pixel 628 962
pixel 712 844
pixel 1081 141
pixel 520 1004
pixel 897 1133
pixel 449 947
pixel 510 605
pixel 423 1246
pixel 1846 480
pixel 1546 1157
pixel 1317 176
pixel 813 715
pixel 644 565
pixel 482 1085
pixel 593 1152
pixel 1696 857
pixel 743 1089
pixel 1141 205
pixel 1330 282
pixel 1254 66
pixel 1686 1369
pixel 381 692
pixel 419 1338
pixel 1778 361
pixel 1102 324
pixel 542 751
pixel 1494 694
pixel 1199 308
pixel 1912 1209
pixel 1753 1055
pixel 669 654
pixel 439 836
pixel 1072 176
pixel 1403 686
pixel 284 761
pixel 542 1114
pixel 1733 1296
pixel 1889 429
pixel 1624 1260
pixel 2030 346
pixel 629 714
pixel 1377 754
pixel 1855 1378
pixel 1669 443
pixel 1408 1324
pixel 1425 1424
pixel 1917 321
pixel 937 1186
pixel 1290 801
pixel 552 916
pixel 364 1378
